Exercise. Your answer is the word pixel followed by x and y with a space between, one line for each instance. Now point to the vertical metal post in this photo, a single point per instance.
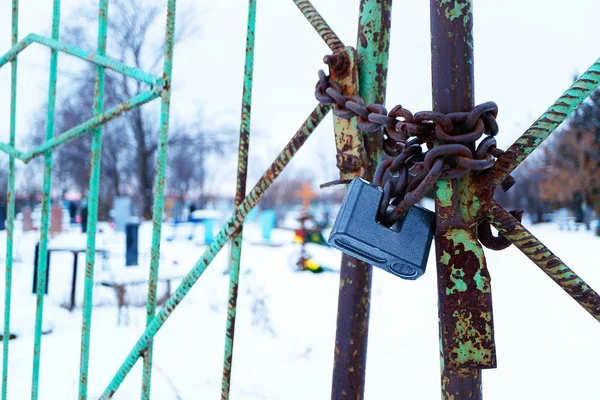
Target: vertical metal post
pixel 45 219
pixel 236 241
pixel 355 276
pixel 90 252
pixel 465 309
pixel 10 202
pixel 159 189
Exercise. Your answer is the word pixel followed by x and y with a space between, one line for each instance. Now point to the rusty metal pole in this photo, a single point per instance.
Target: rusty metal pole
pixel 465 301
pixel 355 276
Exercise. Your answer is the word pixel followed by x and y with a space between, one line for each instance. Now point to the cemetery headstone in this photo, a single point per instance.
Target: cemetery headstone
pixel 56 219
pixel 72 211
pixel 208 230
pixel 122 212
pixel 131 243
pixel 306 194
pixel 2 216
pixel 267 223
pixel 27 219
pixel 36 267
pixel 84 217
pixel 177 211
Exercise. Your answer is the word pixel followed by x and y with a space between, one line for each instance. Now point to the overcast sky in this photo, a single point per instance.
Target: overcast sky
pixel 526 53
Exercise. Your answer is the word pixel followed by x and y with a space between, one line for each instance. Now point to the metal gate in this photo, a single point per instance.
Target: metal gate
pixel 359 71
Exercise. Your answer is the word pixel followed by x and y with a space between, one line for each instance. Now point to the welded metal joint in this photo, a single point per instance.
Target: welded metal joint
pixel 351 157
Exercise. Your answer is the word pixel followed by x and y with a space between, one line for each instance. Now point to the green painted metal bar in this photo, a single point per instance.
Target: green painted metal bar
pixel 10 216
pixel 231 227
pixel 92 123
pixel 546 124
pixel 90 56
pixel 320 25
pixel 236 241
pixel 44 225
pixel 159 191
pixel 552 266
pixel 95 168
pixel 84 127
pixel 354 298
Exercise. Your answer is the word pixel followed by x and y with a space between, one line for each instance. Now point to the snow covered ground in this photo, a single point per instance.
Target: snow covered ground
pixel 547 345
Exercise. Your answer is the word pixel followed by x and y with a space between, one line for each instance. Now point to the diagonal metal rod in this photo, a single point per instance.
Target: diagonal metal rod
pixel 236 241
pixel 159 190
pixel 95 167
pixel 88 125
pixel 320 25
pixel 90 56
pixel 546 124
pixel 10 216
pixel 229 230
pixel 42 266
pixel 552 266
pixel 84 127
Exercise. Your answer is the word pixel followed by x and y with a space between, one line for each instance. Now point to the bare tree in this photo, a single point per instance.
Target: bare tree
pixel 570 173
pixel 71 161
pixel 130 141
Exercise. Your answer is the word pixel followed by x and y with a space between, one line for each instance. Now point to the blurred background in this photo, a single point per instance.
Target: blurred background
pixel 526 55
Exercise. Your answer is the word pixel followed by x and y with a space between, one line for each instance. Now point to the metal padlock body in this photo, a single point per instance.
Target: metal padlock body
pixel 401 250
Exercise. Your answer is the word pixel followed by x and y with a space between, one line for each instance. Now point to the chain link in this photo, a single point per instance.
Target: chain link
pixel 410 172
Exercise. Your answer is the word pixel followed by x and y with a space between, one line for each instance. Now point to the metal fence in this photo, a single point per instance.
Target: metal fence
pixel 358 71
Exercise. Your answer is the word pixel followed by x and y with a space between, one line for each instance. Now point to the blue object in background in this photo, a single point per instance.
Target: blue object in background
pixel 208 230
pixel 267 223
pixel 251 217
pixel 131 244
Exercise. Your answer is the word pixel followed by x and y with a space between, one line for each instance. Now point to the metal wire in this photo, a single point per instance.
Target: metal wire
pixel 10 216
pixel 44 225
pixel 236 241
pixel 159 191
pixel 92 220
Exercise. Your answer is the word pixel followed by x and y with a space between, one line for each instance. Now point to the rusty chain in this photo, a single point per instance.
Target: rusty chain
pixel 410 172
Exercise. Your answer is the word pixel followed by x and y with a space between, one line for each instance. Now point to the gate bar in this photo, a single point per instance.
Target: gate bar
pixel 320 25
pixel 86 55
pixel 10 216
pixel 466 334
pixel 159 190
pixel 354 298
pixel 236 241
pixel 44 225
pixel 92 220
pixel 229 230
pixel 552 266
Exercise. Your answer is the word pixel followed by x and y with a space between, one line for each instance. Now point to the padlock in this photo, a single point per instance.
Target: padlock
pixel 401 249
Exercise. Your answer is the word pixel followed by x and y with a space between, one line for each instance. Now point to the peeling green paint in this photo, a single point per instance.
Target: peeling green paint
pixel 444 192
pixel 456 275
pixel 481 282
pixel 445 257
pixel 456 11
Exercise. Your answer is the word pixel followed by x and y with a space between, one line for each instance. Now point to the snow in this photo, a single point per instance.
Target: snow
pixel 547 344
